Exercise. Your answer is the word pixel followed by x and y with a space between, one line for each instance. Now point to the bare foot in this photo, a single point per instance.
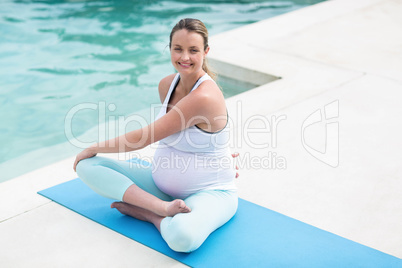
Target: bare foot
pixel 122 207
pixel 174 207
pixel 167 209
pixel 138 213
pixel 133 211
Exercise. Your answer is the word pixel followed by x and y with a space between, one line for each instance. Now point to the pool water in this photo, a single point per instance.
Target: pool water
pixel 55 55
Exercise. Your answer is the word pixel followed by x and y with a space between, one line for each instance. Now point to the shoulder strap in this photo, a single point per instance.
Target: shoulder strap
pixel 202 79
pixel 171 88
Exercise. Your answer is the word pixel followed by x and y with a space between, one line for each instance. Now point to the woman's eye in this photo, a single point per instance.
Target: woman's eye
pixel 177 49
pixel 194 50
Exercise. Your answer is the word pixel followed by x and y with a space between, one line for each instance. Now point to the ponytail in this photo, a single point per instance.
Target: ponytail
pixel 208 70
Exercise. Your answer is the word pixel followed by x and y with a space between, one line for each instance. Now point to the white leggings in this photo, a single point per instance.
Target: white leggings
pixel 184 232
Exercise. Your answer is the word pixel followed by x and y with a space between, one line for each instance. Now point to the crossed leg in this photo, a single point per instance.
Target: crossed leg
pixel 131 183
pixel 183 231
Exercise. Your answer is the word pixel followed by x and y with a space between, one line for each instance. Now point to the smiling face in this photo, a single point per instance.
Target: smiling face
pixel 187 52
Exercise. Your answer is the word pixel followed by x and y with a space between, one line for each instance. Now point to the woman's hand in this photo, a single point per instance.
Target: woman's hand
pixel 87 153
pixel 237 168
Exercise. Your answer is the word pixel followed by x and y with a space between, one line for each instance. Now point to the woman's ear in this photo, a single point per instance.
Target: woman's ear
pixel 206 50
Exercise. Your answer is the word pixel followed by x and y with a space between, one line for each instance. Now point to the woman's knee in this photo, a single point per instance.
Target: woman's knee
pixel 87 163
pixel 210 210
pixel 87 171
pixel 181 237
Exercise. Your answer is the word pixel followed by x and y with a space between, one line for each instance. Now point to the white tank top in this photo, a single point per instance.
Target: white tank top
pixel 193 160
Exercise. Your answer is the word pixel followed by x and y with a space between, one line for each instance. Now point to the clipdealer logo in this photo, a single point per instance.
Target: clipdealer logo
pixel 256 131
pixel 327 118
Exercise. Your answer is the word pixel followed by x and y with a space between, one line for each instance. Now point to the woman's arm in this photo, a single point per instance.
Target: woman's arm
pixel 136 139
pixel 119 144
pixel 198 107
pixel 116 145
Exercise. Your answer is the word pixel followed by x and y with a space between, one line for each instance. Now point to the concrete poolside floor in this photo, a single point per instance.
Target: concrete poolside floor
pixel 332 161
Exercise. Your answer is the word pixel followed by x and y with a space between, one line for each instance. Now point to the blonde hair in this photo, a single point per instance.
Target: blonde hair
pixel 194 25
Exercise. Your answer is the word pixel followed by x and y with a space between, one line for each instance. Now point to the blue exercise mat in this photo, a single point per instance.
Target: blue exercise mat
pixel 254 237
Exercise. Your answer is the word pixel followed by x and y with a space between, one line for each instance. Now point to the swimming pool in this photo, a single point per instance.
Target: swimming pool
pixel 55 55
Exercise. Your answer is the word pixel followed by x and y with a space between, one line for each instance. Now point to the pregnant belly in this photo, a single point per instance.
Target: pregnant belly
pixel 180 174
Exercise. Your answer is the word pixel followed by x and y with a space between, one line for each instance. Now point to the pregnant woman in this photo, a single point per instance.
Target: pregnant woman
pixel 188 191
